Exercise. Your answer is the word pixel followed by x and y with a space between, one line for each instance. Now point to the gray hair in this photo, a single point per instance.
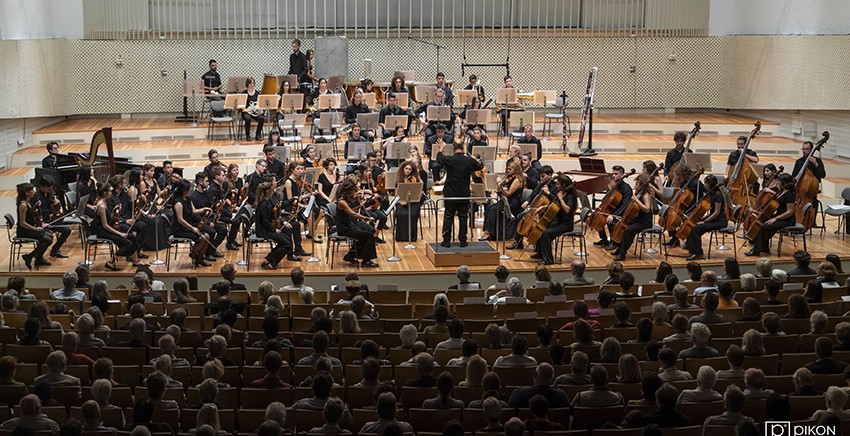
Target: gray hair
pixel 836 397
pixel 515 287
pixel 276 412
pixel 408 335
pixel 163 363
pixel 69 280
pixel 748 282
pixel 779 275
pixel 463 273
pixel 819 320
pixel 659 311
pixel 166 344
pixel 101 390
pixel 441 299
pixel 707 377
pixel 85 324
pixel 700 330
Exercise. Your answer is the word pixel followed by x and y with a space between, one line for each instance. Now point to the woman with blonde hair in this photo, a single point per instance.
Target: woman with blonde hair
pixel 208 415
pixel 629 369
pixel 264 291
pixel 752 343
pixel 476 368
pixel 348 322
pixel 274 305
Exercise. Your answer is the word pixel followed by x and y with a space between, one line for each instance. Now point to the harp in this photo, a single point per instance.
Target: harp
pixel 102 169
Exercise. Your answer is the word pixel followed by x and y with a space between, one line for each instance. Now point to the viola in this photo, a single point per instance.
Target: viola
pixel 680 202
pixel 381 187
pixel 36 209
pixel 304 185
pixel 609 204
pixel 807 187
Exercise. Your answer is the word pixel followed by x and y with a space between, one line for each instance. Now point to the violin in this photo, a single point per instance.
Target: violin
pixel 304 185
pixel 55 211
pixel 609 204
pixel 36 208
pixel 381 187
pixel 507 181
pixel 116 216
pixel 276 216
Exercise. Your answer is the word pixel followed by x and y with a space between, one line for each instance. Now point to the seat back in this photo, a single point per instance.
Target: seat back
pixel 595 417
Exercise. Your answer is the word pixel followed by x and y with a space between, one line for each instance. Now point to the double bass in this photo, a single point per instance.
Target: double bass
pixel 742 177
pixel 610 202
pixel 683 198
pixel 807 187
pixel 691 136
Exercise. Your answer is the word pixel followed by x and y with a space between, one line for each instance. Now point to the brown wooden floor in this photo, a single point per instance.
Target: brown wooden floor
pixel 415 261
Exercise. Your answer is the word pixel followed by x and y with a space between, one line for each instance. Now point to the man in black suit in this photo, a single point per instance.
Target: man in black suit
pixel 825 364
pixel 459 168
pixel 51 161
pixel 544 375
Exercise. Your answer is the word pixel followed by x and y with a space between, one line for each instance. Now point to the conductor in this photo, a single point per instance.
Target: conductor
pixel 458 169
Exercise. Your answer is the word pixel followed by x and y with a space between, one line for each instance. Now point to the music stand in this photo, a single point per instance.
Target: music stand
pixel 523 119
pixel 488 153
pixel 592 165
pixel 357 150
pixel 194 88
pixel 391 122
pixel 477 117
pixel 334 192
pixel 235 84
pixel 439 113
pixel 268 102
pixel 403 100
pixel 506 206
pixel 529 148
pixel 292 102
pixel 324 149
pixel 409 76
pixel 328 101
pixel 370 99
pixel 435 149
pixel 291 78
pixel 368 121
pixel 395 150
pixel 283 153
pixel 701 159
pixel 412 193
pixel 235 101
pixel 391 178
pixel 465 96
pixel 311 174
pixel 490 182
pixel 425 93
pixel 477 190
pixel 506 96
pixel 336 82
pixel 293 122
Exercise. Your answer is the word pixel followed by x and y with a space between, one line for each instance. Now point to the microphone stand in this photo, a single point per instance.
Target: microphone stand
pixel 437 46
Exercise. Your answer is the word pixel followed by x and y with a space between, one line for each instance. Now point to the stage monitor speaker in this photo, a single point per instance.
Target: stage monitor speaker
pixel 331 56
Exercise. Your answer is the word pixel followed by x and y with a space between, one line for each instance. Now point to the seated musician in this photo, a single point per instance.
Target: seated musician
pixel 546 181
pixel 273 140
pixel 395 160
pixel 782 218
pixel 252 112
pixel 293 201
pixel 29 226
pixel 441 136
pixel 204 208
pixel 311 157
pixel 322 89
pixel 422 112
pixel 48 201
pixel 407 214
pixel 505 113
pixel 221 191
pixel 212 155
pixel 467 128
pixel 139 199
pixel 752 156
pixel 273 165
pixel 565 196
pixel 618 176
pixel 255 178
pixel 124 216
pixel 397 85
pixel 477 139
pixel 86 185
pixel 212 80
pixel 168 179
pixel 674 155
pixel 391 108
pixel 264 224
pixel 684 176
pixel 329 177
pixel 184 224
pixel 473 84
pixel 448 95
pixel 645 201
pixel 356 225
pixel 372 202
pixel 367 85
pixel 51 161
pixel 532 178
pixel 510 187
pixel 529 138
pixel 358 107
pixel 150 184
pixel 280 112
pixel 649 167
pixel 714 219
pixel 355 138
pixel 770 178
pixel 102 227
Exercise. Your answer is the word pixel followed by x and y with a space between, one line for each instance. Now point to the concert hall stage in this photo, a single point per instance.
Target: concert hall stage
pixel 624 139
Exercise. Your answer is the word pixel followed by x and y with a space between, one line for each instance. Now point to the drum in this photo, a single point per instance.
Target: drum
pixel 270 85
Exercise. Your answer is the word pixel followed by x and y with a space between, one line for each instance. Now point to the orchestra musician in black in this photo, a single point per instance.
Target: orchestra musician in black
pixel 372 199
pixel 29 226
pixel 448 96
pixel 783 217
pixel 185 225
pixel 168 179
pixel 618 175
pixel 292 203
pixel 422 111
pixel 529 138
pixel 264 223
pixel 254 179
pixel 459 168
pixel 355 137
pixel 684 175
pixel 566 197
pixel 51 161
pixel 86 185
pixel 477 139
pixel 546 180
pixel 298 62
pixel 714 219
pixel 358 107
pixel 251 113
pixel 441 136
pixel 353 224
pixel 473 84
pixel 47 200
pixel 475 103
pixel 532 177
pixel 123 220
pixel 220 191
pixel 391 108
pixel 511 187
pixel 674 155
pixel 103 227
pixel 141 225
pixel 212 80
pixel 407 213
pixel 204 208
pixel 814 163
pixel 646 203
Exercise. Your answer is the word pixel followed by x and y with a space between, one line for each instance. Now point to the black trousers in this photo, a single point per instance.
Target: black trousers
pixel 227 220
pixel 282 247
pixel 44 240
pixel 762 241
pixel 493 217
pixel 407 215
pixel 63 231
pixel 126 247
pixel 188 234
pixel 364 240
pixel 248 117
pixel 461 209
pixel 544 244
pixel 629 235
pixel 694 242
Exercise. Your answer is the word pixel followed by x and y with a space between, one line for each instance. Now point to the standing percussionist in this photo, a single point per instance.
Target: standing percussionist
pixel 459 168
pixel 618 174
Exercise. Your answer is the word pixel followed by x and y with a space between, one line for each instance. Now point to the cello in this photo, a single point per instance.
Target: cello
pixel 742 177
pixel 610 202
pixel 697 213
pixel 538 216
pixel 671 220
pixel 762 210
pixel 630 214
pixel 694 133
pixel 808 186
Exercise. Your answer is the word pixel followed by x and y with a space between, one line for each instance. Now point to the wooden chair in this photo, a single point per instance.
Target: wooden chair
pixel 227 398
pixel 617 432
pixel 226 417
pixel 10 395
pixel 629 391
pixel 28 353
pixel 791 361
pixel 56 413
pixel 307 419
pixel 769 363
pixel 595 417
pixel 474 419
pixel 432 419
pixel 126 355
pixel 804 407
pixel 695 430
pixel 789 343
pixel 693 365
pixel 795 326
pixel 251 419
pixel 698 412
pixel 253 398
pixel 756 409
pixel 515 376
pixel 718 430
pixel 413 397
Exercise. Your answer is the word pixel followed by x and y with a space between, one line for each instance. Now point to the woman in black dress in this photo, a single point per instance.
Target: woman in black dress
pixel 782 218
pixel 183 226
pixel 511 187
pixel 102 227
pixel 407 214
pixel 327 179
pixel 356 225
pixel 247 114
pixel 30 225
pixel 644 197
pixel 264 224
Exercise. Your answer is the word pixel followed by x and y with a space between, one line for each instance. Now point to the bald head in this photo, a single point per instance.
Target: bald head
pixel 30 405
pixel 514 427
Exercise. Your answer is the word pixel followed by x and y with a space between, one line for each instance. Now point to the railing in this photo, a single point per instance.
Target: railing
pixel 259 19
